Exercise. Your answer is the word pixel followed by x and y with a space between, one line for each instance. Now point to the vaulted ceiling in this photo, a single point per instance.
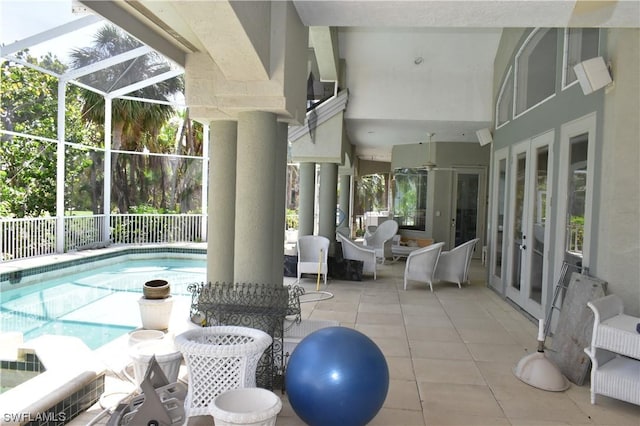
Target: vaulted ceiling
pixel 412 67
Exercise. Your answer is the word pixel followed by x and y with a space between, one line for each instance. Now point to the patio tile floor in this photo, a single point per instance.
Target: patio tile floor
pixel 450 355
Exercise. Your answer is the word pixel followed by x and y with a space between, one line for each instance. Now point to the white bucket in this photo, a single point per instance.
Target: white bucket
pixel 246 406
pixel 167 357
pixel 155 313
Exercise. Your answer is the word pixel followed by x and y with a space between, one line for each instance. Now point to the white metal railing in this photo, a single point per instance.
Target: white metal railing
pixel 27 237
pixel 575 237
pixel 157 228
pixel 83 231
pixel 30 237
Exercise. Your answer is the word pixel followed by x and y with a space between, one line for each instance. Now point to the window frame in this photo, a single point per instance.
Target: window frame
pixel 517 84
pixel 421 199
pixel 565 55
pixel 508 81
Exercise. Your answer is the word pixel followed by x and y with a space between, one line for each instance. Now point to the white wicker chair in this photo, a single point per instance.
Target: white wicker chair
pixel 453 265
pixel 345 231
pixel 422 263
pixel 353 251
pixel 313 252
pixel 381 239
pixel 614 351
pixel 219 359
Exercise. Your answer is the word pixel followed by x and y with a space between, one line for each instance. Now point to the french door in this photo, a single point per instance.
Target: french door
pixel 528 232
pixel 575 197
pixel 468 207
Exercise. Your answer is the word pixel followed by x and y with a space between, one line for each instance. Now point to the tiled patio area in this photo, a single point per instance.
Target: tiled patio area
pixel 450 355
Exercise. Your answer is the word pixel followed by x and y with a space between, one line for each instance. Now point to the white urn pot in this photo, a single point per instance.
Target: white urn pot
pixel 155 313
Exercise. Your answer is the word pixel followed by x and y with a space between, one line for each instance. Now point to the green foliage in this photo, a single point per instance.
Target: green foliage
pixel 29 105
pixel 577 220
pixel 370 192
pixel 148 209
pixel 292 219
pixel 406 195
pixel 141 126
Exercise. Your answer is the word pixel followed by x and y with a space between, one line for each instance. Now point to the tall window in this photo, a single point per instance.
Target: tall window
pixel 410 198
pixel 536 69
pixel 580 44
pixel 576 204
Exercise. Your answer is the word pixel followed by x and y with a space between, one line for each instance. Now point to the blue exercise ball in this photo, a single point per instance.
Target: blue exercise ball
pixel 337 376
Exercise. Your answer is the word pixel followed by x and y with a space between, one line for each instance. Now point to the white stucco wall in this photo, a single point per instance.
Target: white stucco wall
pixel 323 144
pixel 618 236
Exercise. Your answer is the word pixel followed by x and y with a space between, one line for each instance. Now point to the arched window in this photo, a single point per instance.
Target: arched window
pixel 536 69
pixel 504 106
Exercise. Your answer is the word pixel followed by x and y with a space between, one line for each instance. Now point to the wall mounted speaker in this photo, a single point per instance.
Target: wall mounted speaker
pixel 484 136
pixel 592 74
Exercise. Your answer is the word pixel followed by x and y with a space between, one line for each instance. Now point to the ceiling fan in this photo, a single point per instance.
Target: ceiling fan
pixel 430 165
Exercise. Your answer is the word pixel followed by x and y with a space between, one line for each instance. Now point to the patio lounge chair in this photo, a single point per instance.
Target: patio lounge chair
pixel 454 264
pixel 422 263
pixel 352 250
pixel 313 251
pixel 381 239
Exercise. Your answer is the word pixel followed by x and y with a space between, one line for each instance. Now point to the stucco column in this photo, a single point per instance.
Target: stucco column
pixel 345 198
pixel 279 199
pixel 307 198
pixel 255 202
pixel 328 198
pixel 222 201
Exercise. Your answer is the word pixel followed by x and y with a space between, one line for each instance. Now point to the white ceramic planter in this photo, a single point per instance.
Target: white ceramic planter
pixel 167 357
pixel 155 313
pixel 139 336
pixel 247 407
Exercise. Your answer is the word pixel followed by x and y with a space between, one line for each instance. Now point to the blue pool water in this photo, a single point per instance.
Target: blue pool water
pixel 96 305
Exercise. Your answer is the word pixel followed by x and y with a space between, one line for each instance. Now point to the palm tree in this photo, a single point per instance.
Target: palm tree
pixel 133 122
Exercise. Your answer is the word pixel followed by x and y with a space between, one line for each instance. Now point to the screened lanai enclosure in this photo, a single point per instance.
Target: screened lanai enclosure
pixel 97 146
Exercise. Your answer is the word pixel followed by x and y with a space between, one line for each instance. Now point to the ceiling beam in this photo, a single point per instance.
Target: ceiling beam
pixel 137 28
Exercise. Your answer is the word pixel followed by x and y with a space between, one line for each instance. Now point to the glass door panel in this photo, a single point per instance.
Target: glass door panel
pixel 576 200
pixel 539 216
pixel 575 197
pixel 498 220
pixel 517 231
pixel 466 207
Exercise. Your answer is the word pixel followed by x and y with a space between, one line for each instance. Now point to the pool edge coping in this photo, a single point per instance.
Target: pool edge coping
pixel 21 269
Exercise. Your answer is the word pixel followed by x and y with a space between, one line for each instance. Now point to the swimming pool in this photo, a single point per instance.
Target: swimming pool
pixel 98 304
